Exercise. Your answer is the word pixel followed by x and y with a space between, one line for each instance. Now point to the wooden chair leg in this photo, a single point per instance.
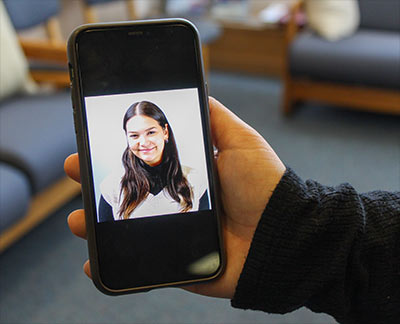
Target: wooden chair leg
pixel 131 10
pixel 53 30
pixel 206 58
pixel 90 14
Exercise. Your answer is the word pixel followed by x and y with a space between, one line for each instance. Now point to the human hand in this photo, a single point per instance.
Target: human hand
pixel 248 170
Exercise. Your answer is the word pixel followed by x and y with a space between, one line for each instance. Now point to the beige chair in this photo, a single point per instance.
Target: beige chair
pixel 47 56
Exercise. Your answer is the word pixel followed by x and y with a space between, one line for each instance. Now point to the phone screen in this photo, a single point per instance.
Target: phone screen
pixel 144 126
pixel 157 141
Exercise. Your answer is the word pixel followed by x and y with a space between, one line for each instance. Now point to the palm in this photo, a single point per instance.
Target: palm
pixel 248 171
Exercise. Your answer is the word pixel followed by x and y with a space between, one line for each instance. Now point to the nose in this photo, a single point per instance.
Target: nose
pixel 143 140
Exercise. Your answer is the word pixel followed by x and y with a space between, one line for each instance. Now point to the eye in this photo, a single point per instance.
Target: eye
pixel 152 132
pixel 134 136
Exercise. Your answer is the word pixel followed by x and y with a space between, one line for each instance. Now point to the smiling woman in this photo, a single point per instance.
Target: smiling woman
pixel 153 182
pixel 146 139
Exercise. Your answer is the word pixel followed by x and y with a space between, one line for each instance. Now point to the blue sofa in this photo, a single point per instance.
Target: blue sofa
pixel 361 71
pixel 36 134
pixel 36 131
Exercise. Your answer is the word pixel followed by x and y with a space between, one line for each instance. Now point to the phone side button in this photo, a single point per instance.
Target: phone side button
pixel 207 93
pixel 71 72
pixel 74 113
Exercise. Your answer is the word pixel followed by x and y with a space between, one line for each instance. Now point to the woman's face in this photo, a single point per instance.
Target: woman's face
pixel 146 139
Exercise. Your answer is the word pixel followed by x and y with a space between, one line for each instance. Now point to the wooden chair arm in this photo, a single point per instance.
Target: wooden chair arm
pixel 292 26
pixel 50 52
pixel 45 51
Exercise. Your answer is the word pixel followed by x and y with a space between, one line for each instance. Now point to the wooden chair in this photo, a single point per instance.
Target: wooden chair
pixel 358 96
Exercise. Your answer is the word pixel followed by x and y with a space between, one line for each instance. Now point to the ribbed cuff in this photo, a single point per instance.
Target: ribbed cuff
pixel 269 235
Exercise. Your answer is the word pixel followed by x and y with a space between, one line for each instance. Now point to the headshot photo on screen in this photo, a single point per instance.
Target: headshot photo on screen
pixel 147 153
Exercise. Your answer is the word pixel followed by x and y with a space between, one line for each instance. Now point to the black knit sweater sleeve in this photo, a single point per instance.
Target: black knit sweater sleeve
pixel 329 249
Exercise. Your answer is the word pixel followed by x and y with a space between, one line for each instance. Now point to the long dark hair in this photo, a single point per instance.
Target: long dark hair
pixel 135 185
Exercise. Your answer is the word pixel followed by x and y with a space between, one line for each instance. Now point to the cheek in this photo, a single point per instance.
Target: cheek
pixel 160 144
pixel 132 143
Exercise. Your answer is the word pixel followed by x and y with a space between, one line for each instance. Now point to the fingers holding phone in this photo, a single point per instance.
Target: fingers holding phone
pixel 71 167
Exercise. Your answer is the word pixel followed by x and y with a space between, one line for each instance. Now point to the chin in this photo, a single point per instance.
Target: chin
pixel 148 160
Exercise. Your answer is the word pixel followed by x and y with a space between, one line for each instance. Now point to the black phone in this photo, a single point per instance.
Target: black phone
pixel 148 178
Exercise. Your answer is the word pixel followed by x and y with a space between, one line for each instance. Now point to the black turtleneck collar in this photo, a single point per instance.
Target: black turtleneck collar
pixel 156 176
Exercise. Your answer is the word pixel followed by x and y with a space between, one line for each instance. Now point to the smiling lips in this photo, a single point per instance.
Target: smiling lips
pixel 146 150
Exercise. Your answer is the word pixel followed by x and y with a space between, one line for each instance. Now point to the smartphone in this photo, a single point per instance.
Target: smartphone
pixel 148 178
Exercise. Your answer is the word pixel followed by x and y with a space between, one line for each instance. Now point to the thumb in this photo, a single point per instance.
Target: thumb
pixel 229 131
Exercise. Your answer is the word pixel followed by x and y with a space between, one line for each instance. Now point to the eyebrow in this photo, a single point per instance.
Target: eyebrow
pixel 144 130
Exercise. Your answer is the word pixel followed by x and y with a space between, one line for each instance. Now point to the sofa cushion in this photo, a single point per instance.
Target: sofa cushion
pixel 380 14
pixel 367 58
pixel 14 195
pixel 36 134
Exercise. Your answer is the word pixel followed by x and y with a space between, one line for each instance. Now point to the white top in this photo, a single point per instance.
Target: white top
pixel 153 205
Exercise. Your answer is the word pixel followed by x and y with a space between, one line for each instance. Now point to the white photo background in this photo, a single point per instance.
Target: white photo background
pixel 108 141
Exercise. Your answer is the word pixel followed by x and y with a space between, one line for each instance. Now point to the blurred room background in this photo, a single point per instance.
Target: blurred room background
pixel 319 79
